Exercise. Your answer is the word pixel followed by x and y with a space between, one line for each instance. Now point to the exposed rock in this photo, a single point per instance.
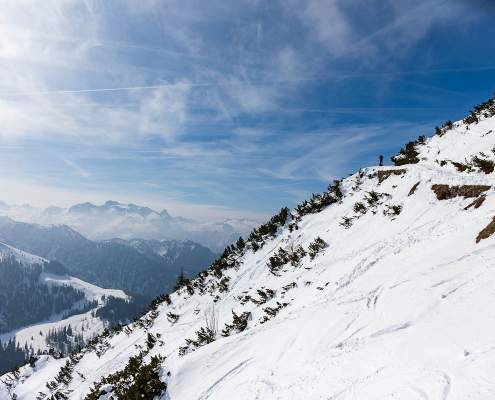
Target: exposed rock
pixel 487 231
pixel 477 203
pixel 445 192
pixel 413 189
pixel 382 175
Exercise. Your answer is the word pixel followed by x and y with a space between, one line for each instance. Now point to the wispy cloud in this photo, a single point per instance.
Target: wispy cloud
pixel 232 106
pixel 77 169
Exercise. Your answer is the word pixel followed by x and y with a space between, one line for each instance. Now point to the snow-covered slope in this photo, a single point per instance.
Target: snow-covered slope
pixel 394 302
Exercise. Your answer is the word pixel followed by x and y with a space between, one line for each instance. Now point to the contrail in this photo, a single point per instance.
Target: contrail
pixel 114 89
pixel 256 83
pixel 165 85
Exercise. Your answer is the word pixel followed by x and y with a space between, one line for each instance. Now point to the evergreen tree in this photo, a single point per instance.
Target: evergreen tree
pixel 182 280
pixel 12 355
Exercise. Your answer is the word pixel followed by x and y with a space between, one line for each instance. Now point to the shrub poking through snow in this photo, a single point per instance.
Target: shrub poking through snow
pixel 269 230
pixel 296 254
pixel 288 287
pixel 317 203
pixel 228 259
pixel 244 299
pixel 335 189
pixel 264 296
pixel 485 109
pixel 408 154
pixel 137 381
pixel 461 167
pixel 150 341
pixel 346 222
pixel 373 198
pixel 486 166
pixel 293 255
pixel 204 336
pixel 223 285
pixel 239 323
pixel 277 261
pixel 173 318
pixel 393 210
pixel 477 163
pixel 358 181
pixel 315 247
pixel 272 311
pixel 359 208
pixel 448 125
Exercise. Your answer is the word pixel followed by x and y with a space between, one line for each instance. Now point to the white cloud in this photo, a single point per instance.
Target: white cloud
pixel 165 111
pixel 53 48
pixel 329 24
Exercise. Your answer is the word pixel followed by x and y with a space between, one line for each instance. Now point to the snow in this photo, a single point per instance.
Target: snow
pixel 393 308
pixel 91 292
pixel 20 256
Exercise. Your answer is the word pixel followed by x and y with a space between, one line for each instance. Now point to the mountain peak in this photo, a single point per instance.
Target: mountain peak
pixel 112 203
pixel 165 214
pixel 82 207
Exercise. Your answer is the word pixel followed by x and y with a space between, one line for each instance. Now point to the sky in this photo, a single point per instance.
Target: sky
pixel 225 109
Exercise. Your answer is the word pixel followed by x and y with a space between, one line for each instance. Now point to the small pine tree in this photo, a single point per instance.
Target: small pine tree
pixel 315 247
pixel 182 280
pixel 240 244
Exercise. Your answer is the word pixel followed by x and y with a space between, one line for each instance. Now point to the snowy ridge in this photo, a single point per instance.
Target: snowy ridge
pixel 91 292
pixel 396 304
pixel 20 256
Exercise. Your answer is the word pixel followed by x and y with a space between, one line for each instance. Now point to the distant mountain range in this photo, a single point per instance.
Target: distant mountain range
pixel 145 267
pixel 130 221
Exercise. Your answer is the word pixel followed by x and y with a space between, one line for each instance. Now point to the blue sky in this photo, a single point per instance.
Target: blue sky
pixel 226 109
